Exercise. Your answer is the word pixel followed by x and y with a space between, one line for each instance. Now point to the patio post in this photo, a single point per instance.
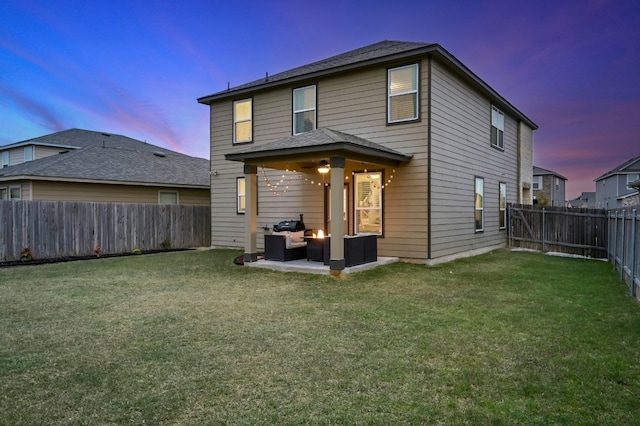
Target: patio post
pixel 337 261
pixel 250 213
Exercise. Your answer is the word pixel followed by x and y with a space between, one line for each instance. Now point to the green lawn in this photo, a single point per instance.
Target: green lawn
pixel 189 338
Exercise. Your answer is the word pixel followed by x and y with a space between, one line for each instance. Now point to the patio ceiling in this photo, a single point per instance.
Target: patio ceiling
pixel 306 149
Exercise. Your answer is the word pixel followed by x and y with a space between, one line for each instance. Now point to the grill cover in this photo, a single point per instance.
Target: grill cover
pixel 290 225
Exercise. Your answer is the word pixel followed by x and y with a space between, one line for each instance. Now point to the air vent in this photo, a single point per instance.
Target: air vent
pixel 106 134
pixel 159 154
pixel 64 152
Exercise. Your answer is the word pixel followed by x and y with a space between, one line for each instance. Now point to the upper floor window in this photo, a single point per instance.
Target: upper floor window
pixel 242 121
pixel 557 184
pixel 503 205
pixel 167 197
pixel 497 128
pixel 5 159
pixel 402 94
pixel 304 109
pixel 536 182
pixel 479 205
pixel 631 179
pixel 28 153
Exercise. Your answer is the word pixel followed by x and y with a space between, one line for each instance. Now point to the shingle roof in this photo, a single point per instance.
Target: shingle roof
pixel 80 138
pixel 377 53
pixel 539 171
pixel 319 141
pixel 122 159
pixel 624 167
pixel 363 54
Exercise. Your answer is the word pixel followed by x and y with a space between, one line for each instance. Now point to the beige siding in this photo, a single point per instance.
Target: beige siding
pixel 461 150
pixel 45 151
pixel 67 191
pixel 353 103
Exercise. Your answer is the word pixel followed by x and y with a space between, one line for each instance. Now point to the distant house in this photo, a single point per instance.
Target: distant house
pixel 549 188
pixel 586 200
pixel 613 189
pixel 83 165
pixel 413 147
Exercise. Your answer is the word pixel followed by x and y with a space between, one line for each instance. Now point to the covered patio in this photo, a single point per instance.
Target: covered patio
pixel 341 150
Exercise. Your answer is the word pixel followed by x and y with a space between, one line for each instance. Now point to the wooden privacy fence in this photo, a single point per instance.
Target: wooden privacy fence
pixel 58 229
pixel 624 250
pixel 573 231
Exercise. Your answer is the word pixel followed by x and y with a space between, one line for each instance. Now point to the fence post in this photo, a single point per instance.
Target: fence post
pixel 633 253
pixel 543 229
pixel 622 259
pixel 615 238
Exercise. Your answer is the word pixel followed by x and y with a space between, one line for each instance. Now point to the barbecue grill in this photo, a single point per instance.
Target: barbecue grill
pixel 289 225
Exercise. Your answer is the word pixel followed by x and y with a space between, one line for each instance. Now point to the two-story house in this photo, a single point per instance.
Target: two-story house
pixel 549 188
pixel 399 139
pixel 614 187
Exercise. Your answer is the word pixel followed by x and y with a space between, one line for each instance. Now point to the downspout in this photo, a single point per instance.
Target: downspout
pixel 429 230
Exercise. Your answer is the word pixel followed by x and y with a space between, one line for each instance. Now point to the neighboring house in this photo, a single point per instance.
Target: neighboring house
pixel 549 188
pixel 82 165
pixel 613 189
pixel 422 152
pixel 586 200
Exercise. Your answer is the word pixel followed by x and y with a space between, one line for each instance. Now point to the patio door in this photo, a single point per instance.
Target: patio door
pixel 327 209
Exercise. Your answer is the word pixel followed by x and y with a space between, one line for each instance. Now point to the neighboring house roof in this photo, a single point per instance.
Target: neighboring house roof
pixel 323 140
pixel 539 171
pixel 80 138
pixel 632 165
pixel 585 199
pixel 122 160
pixel 381 52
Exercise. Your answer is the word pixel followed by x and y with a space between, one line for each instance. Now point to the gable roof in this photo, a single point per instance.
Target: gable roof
pixel 377 53
pixel 121 160
pixel 630 166
pixel 80 138
pixel 320 141
pixel 539 171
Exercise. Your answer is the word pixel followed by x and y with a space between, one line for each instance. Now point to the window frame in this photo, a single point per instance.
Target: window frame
pixel 629 182
pixel 29 149
pixel 5 159
pixel 10 193
pixel 236 121
pixel 499 132
pixel 357 208
pixel 536 184
pixel 239 209
pixel 304 110
pixel 176 193
pixel 416 92
pixel 4 193
pixel 502 206
pixel 478 179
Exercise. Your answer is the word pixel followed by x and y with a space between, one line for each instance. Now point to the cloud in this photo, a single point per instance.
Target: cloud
pixel 39 112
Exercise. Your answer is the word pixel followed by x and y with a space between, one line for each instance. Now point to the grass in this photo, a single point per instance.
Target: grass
pixel 190 338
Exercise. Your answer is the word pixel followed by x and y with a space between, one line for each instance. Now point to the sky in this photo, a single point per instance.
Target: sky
pixel 137 67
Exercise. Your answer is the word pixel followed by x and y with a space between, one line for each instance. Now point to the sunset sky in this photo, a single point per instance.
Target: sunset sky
pixel 137 67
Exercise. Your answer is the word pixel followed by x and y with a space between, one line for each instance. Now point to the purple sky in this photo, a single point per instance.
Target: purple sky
pixel 136 67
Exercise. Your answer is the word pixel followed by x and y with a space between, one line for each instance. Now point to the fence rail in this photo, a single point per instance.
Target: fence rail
pixel 57 229
pixel 574 231
pixel 624 253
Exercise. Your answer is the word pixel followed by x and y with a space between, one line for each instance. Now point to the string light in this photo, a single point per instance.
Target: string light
pixel 284 183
